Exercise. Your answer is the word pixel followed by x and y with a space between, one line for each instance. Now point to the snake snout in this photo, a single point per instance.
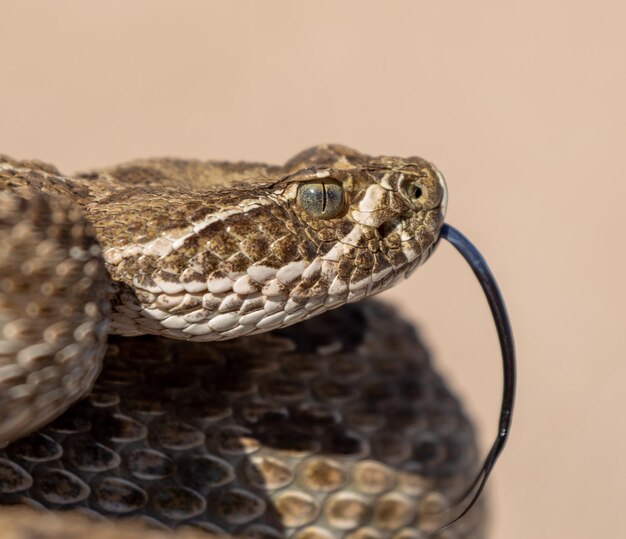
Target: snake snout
pixel 444 192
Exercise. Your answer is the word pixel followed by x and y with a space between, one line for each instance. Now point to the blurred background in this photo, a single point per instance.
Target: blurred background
pixel 521 105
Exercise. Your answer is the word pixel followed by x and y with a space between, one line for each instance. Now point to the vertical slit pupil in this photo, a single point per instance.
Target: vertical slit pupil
pixel 324 197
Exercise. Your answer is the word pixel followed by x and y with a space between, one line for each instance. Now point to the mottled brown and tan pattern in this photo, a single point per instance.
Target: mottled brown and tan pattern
pixel 337 427
pixel 208 251
pixel 196 251
pixel 53 310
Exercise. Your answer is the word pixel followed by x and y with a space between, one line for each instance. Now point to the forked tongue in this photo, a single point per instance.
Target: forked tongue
pixel 507 347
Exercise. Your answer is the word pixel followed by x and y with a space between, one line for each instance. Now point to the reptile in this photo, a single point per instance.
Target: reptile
pixel 145 262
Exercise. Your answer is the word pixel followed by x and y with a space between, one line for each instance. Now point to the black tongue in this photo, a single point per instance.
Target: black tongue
pixel 507 346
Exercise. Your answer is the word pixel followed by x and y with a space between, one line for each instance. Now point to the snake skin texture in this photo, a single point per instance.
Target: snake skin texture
pixel 191 250
pixel 337 427
pixel 50 351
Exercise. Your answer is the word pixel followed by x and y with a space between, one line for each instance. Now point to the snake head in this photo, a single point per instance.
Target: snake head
pixel 371 220
pixel 212 251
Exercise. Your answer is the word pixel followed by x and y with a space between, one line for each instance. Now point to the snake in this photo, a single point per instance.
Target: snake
pixel 178 281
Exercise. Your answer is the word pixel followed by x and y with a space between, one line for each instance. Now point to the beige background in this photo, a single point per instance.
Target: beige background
pixel 521 105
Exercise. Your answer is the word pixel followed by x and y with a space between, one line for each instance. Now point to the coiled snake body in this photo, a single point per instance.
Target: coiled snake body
pixel 332 428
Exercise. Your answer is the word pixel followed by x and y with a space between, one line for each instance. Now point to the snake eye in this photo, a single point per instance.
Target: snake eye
pixel 321 199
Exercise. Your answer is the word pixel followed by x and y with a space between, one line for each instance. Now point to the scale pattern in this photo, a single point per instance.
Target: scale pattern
pixel 50 354
pixel 192 250
pixel 338 427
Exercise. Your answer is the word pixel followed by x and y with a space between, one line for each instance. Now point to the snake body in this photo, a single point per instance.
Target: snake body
pixel 208 251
